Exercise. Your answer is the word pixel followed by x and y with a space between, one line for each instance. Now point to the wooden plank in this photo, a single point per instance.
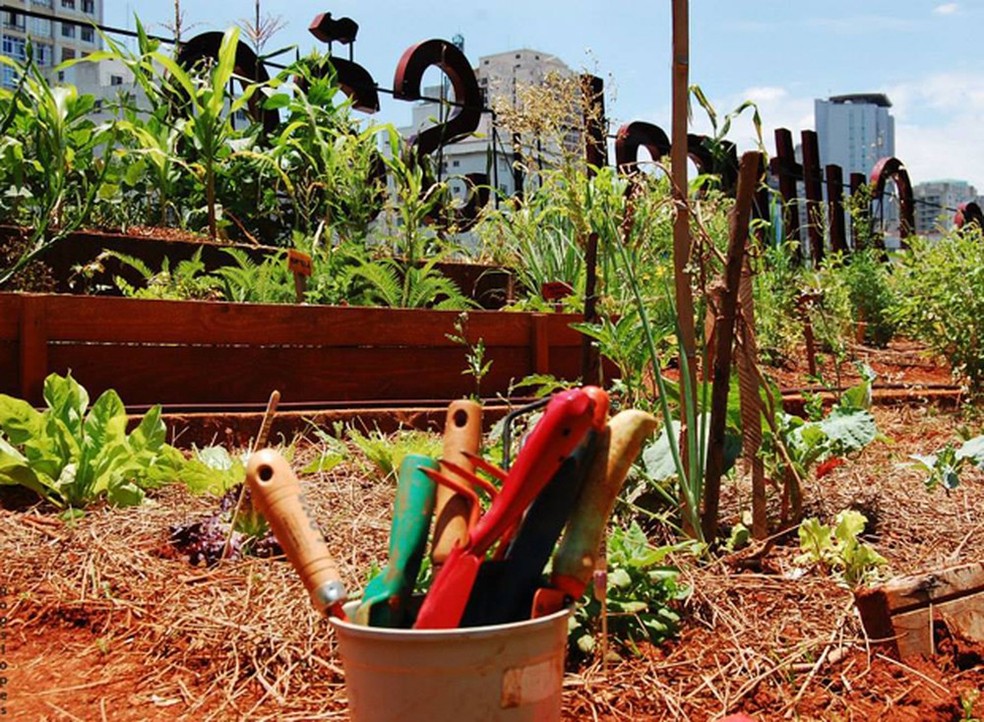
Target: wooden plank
pixel 10 305
pixel 9 368
pixel 911 592
pixel 540 343
pixel 33 356
pixel 189 375
pixel 964 617
pixel 901 612
pixel 104 319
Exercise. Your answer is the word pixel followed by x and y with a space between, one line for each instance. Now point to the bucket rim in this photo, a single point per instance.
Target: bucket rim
pixel 442 634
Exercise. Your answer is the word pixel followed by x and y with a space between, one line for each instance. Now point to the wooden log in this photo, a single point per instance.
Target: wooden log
pixel 902 614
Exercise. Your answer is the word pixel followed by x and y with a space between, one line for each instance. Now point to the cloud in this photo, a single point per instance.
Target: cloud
pixel 946 9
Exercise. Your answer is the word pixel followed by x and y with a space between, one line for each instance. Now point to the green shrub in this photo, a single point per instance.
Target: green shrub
pixel 941 299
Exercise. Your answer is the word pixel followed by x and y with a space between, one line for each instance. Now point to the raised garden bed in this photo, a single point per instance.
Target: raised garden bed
pixel 206 353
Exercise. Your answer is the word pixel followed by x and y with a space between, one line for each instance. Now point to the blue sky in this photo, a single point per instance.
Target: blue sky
pixel 925 55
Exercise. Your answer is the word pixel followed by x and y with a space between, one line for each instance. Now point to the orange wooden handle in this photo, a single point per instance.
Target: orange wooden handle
pixel 462 433
pixel 277 495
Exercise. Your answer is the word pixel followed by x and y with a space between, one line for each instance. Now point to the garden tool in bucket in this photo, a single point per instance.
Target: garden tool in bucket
pixel 462 436
pixel 384 602
pixel 564 424
pixel 576 557
pixel 504 589
pixel 277 495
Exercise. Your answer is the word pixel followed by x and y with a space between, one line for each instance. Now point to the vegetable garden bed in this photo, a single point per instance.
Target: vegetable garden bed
pixel 104 620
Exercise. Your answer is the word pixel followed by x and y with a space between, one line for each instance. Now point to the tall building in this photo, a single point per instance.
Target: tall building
pixel 855 131
pixel 936 203
pixel 52 40
pixel 499 76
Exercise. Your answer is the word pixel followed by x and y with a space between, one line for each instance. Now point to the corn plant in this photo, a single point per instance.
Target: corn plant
pixel 55 159
pixel 207 124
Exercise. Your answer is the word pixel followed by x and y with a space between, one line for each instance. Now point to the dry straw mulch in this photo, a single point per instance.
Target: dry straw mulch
pixel 106 623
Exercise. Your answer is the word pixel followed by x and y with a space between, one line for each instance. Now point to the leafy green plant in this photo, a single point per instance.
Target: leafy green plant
pixel 212 470
pixel 791 445
pixel 385 452
pixel 187 280
pixel 50 149
pixel 944 467
pixel 839 551
pixel 477 367
pixel 871 294
pixel 641 591
pixel 72 454
pixel 207 123
pixel 941 298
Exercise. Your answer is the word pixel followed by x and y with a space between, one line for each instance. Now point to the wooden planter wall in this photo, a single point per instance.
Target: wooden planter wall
pixel 186 352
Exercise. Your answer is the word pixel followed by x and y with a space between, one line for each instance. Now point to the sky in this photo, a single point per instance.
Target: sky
pixel 781 54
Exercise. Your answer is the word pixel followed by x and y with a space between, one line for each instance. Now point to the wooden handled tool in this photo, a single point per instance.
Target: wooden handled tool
pixel 577 555
pixel 277 495
pixel 462 436
pixel 561 429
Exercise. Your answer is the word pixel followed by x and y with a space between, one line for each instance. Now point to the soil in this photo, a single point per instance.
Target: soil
pixel 104 621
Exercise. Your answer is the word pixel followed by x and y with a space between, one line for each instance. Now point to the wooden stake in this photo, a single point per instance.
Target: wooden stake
pixel 681 225
pixel 724 334
pixel 258 443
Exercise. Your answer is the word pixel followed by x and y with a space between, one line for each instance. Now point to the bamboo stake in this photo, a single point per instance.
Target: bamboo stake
pixel 681 225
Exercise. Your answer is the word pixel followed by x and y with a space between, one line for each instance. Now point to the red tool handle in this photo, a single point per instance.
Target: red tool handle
pixel 277 495
pixel 563 426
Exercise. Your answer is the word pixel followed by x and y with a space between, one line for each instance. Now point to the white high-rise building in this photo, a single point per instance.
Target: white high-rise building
pixel 855 131
pixel 499 76
pixel 52 40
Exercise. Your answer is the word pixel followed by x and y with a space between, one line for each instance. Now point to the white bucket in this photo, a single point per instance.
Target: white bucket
pixel 508 672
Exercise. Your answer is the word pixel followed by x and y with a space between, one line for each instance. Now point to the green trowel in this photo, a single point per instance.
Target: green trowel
pixel 384 603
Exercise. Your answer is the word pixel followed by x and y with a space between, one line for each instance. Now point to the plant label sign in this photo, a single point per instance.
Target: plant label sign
pixel 299 263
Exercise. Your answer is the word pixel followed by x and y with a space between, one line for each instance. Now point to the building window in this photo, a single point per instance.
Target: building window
pixel 15 48
pixel 70 4
pixel 68 31
pixel 9 77
pixel 455 163
pixel 44 54
pixel 87 35
pixel 42 3
pixel 98 105
pixel 13 20
pixel 89 6
pixel 67 54
pixel 116 80
pixel 40 28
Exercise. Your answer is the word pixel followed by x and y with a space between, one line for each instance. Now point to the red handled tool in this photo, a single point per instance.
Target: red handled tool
pixel 278 497
pixel 564 424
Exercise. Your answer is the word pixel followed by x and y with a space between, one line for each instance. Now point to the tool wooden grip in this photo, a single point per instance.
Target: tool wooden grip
pixel 462 433
pixel 277 495
pixel 620 444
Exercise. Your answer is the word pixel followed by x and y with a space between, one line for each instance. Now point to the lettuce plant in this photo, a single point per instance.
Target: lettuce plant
pixel 839 550
pixel 72 454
